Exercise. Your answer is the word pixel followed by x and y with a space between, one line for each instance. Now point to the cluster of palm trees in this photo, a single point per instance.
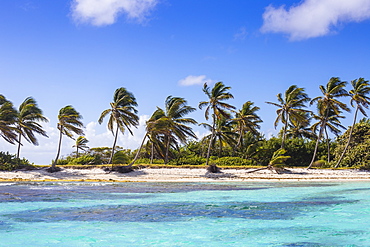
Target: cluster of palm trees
pixel 169 127
pixel 292 112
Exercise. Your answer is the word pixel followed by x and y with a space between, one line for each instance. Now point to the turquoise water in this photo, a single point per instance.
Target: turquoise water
pixel 185 214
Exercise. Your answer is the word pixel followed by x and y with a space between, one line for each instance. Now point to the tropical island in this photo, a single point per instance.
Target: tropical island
pixel 234 149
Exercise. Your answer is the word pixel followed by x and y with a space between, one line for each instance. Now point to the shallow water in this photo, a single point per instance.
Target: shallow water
pixel 185 214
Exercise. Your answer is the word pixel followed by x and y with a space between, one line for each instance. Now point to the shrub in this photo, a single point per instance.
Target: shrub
pixel 232 161
pixel 9 162
pixel 82 160
pixel 195 160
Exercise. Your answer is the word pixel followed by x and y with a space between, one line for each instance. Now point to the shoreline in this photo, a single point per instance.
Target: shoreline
pixel 183 175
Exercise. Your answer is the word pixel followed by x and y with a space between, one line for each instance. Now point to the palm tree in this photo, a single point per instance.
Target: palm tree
pixel 122 115
pixel 152 129
pixel 361 89
pixel 247 120
pixel 299 129
pixel 223 133
pixel 290 107
pixel 69 123
pixel 8 116
pixel 29 114
pixel 172 124
pixel 81 143
pixel 328 105
pixel 332 123
pixel 215 103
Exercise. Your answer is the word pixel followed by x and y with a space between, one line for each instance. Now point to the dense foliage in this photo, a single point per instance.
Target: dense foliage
pixel 9 162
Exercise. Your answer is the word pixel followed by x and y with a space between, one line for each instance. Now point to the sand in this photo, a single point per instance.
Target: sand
pixel 184 175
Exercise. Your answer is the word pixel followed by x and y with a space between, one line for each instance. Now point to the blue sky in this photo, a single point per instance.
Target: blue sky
pixel 77 52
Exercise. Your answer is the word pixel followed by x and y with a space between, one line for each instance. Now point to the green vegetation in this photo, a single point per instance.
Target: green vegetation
pixel 234 139
pixel 9 162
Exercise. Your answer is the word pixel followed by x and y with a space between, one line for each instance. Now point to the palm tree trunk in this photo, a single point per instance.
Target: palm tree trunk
pixel 114 146
pixel 327 144
pixel 210 141
pixel 59 146
pixel 316 146
pixel 152 154
pixel 167 149
pixel 137 154
pixel 349 138
pixel 19 145
pixel 76 151
pixel 284 130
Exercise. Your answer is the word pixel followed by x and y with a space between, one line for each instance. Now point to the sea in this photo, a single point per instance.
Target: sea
pixel 291 214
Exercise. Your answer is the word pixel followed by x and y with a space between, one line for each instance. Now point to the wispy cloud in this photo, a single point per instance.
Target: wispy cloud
pixel 241 34
pixel 314 18
pixel 105 12
pixel 194 80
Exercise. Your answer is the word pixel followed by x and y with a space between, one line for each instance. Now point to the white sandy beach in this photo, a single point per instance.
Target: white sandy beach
pixel 183 175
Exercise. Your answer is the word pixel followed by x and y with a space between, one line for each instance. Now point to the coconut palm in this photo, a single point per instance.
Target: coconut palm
pixel 215 104
pixel 27 123
pixel 223 133
pixel 329 105
pixel 290 107
pixel 122 115
pixel 332 123
pixel 360 90
pixel 8 117
pixel 299 129
pixel 69 124
pixel 247 120
pixel 172 124
pixel 81 143
pixel 153 128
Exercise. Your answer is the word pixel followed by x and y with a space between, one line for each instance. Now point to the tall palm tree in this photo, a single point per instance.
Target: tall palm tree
pixel 8 117
pixel 69 123
pixel 332 123
pixel 172 124
pixel 81 143
pixel 290 106
pixel 247 120
pixel 29 114
pixel 329 105
pixel 122 115
pixel 360 90
pixel 223 133
pixel 216 96
pixel 299 129
pixel 152 129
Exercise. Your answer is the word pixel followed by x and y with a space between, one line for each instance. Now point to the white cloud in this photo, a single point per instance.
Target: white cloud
pixel 194 80
pixel 314 18
pixel 105 12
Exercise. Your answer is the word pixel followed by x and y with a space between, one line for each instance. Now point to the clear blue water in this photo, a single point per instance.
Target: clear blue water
pixel 185 214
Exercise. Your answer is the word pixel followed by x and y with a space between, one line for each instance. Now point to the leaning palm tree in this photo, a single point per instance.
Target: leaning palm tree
pixel 290 107
pixel 247 120
pixel 329 105
pixel 69 123
pixel 122 115
pixel 153 128
pixel 172 123
pixel 332 123
pixel 361 89
pixel 215 104
pixel 8 117
pixel 224 133
pixel 299 129
pixel 81 143
pixel 27 124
